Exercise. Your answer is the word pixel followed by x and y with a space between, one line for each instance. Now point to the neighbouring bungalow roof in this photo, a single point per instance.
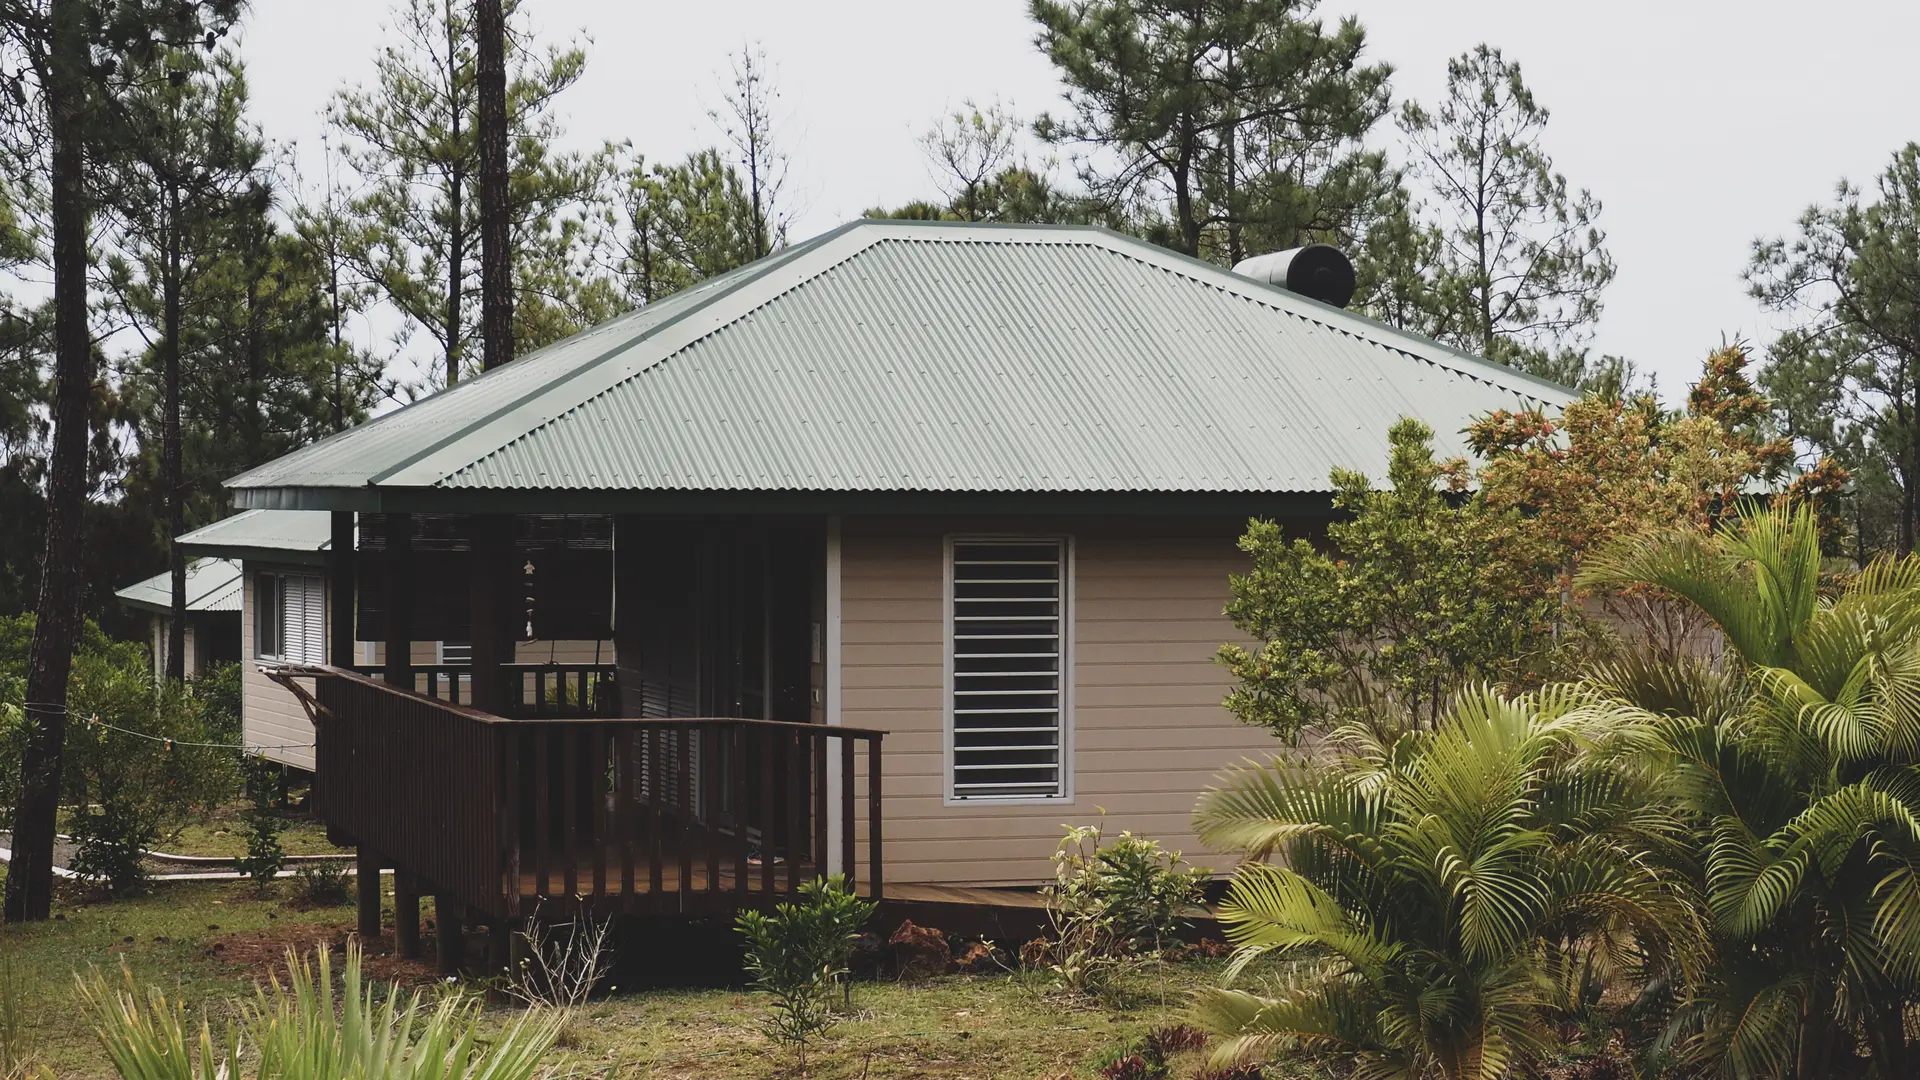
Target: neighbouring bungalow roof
pixel 296 536
pixel 212 585
pixel 920 358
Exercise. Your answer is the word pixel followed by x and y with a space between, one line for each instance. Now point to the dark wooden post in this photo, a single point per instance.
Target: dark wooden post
pixel 340 629
pixel 451 935
pixel 367 892
pixel 490 610
pixel 406 914
pixel 400 600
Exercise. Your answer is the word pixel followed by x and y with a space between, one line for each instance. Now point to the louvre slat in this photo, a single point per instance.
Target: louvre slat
pixel 1006 593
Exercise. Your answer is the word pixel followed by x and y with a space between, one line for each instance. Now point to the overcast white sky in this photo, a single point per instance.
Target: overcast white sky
pixel 1699 124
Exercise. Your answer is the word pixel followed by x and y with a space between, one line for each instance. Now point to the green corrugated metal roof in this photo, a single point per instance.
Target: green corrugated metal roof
pixel 933 358
pixel 212 585
pixel 292 535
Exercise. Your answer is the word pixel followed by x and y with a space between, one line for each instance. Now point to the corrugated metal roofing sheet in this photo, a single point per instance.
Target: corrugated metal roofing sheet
pixel 212 585
pixel 278 530
pixel 896 356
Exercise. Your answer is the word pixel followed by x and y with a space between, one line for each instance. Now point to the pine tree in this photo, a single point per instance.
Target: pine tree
pixel 1522 262
pixel 194 164
pixel 411 136
pixel 1847 374
pixel 61 123
pixel 1222 127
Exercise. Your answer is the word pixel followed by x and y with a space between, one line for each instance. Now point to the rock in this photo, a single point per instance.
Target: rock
pixel 869 959
pixel 978 958
pixel 919 952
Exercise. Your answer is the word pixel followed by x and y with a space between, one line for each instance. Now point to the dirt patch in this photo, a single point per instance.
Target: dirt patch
pixel 263 953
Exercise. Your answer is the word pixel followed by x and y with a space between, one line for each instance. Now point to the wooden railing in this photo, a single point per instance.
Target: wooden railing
pixel 532 690
pixel 595 814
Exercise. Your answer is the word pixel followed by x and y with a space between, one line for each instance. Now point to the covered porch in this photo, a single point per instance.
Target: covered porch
pixel 691 771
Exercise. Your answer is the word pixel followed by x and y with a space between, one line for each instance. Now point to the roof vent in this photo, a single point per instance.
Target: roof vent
pixel 1321 271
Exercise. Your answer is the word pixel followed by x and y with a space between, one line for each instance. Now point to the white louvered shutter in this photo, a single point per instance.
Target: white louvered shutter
pixel 304 619
pixel 1009 641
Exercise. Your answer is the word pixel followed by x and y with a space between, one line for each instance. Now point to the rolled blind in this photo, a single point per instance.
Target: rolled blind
pixel 1009 643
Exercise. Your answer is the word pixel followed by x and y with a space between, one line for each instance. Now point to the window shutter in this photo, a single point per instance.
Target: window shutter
pixel 1009 638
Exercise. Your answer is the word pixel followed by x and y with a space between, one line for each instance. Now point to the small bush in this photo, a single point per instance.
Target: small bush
pixel 322 884
pixel 1112 901
pixel 799 955
pixel 1131 1067
pixel 111 845
pixel 264 856
pixel 1163 1043
pixel 564 962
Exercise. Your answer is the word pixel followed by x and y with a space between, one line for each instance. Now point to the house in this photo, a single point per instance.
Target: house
pixel 213 614
pixel 271 570
pixel 916 543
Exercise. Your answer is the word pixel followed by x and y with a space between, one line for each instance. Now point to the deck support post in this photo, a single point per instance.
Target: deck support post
pixel 367 892
pixel 491 611
pixel 399 556
pixel 406 915
pixel 340 585
pixel 451 940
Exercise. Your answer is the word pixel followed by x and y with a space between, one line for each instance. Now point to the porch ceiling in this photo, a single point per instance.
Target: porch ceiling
pixel 890 360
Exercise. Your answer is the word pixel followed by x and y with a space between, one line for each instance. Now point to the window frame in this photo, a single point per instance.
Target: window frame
pixel 1068 594
pixel 269 588
pixel 274 583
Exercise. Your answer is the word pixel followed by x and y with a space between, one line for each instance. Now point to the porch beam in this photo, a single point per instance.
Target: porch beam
pixel 491 604
pixel 340 585
pixel 399 576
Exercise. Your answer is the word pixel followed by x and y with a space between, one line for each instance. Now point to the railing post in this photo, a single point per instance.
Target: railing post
pixel 367 892
pixel 876 887
pixel 399 567
pixel 849 862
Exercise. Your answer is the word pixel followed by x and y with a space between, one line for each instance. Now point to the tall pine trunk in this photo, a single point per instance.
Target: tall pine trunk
pixel 57 615
pixel 456 192
pixel 170 452
pixel 496 261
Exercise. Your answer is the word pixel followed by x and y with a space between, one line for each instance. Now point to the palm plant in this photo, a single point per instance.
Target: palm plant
pixel 1804 796
pixel 300 1031
pixel 1448 894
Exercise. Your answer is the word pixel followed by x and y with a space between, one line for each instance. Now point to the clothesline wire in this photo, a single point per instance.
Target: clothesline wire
pixel 95 722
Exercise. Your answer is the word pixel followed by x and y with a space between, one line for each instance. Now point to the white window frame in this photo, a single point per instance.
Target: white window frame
pixel 273 582
pixel 1068 592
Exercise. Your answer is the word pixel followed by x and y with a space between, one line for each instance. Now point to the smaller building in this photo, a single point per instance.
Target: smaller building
pixel 279 613
pixel 213 614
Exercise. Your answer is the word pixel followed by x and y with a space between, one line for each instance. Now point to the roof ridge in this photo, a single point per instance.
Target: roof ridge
pixel 815 242
pixel 718 291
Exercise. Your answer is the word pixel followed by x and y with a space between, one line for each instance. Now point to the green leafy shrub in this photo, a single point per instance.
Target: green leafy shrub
pixel 134 755
pixel 264 856
pixel 300 1031
pixel 218 690
pixel 1112 901
pixel 799 955
pixel 322 884
pixel 110 846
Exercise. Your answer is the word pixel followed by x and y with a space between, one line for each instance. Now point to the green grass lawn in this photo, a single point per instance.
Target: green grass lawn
pixel 207 943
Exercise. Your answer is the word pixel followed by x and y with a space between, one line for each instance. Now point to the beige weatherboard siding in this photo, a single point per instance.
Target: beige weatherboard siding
pixel 1146 732
pixel 271 717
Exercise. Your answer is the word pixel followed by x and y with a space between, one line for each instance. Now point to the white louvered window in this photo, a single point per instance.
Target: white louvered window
pixel 1008 648
pixel 290 618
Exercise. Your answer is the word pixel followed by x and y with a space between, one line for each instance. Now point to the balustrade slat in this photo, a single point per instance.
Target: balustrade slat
pixel 542 808
pixel 597 791
pixel 767 805
pixel 849 863
pixel 624 812
pixel 683 768
pixel 742 878
pixel 656 794
pixel 710 800
pixel 796 750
